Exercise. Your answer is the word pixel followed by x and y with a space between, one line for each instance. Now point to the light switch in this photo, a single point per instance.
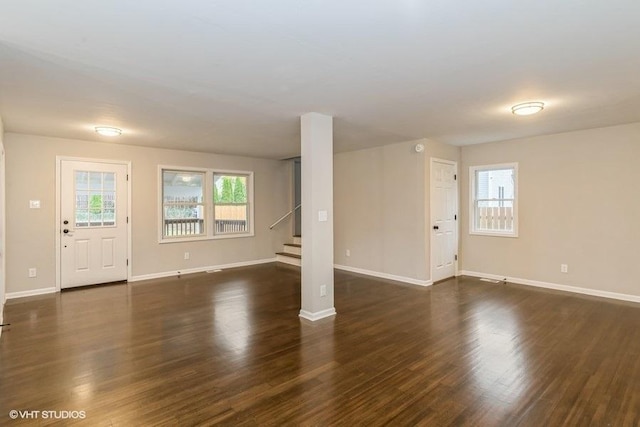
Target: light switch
pixel 34 204
pixel 322 216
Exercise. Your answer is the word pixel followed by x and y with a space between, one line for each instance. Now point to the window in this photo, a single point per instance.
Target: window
pixel 205 204
pixel 231 206
pixel 183 203
pixel 95 199
pixel 494 203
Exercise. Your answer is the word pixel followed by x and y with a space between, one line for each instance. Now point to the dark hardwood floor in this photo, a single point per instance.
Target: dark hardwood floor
pixel 229 348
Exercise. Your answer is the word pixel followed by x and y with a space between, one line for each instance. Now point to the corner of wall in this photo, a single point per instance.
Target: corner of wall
pixel 394 201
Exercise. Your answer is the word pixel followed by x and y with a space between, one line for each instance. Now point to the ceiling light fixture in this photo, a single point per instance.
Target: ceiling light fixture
pixel 527 108
pixel 108 131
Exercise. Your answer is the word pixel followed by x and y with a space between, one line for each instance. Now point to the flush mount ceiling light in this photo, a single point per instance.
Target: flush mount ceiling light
pixel 527 108
pixel 108 131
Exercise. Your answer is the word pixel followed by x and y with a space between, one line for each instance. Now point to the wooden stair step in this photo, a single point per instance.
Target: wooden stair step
pixel 294 245
pixel 289 255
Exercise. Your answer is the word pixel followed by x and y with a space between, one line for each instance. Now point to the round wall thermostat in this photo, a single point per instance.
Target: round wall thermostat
pixel 419 148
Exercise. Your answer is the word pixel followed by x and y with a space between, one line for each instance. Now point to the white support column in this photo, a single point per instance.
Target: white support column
pixel 317 216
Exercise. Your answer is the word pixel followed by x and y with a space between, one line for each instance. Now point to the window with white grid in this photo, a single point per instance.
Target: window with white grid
pixel 199 204
pixel 494 203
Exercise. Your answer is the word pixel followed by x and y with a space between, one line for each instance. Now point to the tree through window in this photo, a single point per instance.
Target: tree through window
pixel 231 204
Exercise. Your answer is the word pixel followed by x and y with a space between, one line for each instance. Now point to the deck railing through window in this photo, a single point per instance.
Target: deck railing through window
pixel 494 218
pixel 183 227
pixel 195 226
pixel 231 225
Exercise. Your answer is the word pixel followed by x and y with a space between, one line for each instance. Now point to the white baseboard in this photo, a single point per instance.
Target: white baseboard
pixel 22 294
pixel 555 286
pixel 198 269
pixel 318 314
pixel 384 275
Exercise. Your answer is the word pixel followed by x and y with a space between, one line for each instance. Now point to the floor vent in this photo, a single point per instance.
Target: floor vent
pixel 484 279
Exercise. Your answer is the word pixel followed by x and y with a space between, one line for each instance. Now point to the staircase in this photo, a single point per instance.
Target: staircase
pixel 292 253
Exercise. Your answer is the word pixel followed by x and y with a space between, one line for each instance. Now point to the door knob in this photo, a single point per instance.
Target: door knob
pixel 65 222
pixel 65 231
pixel 435 227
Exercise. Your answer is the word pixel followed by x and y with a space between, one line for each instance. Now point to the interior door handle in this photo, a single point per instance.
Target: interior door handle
pixel 435 227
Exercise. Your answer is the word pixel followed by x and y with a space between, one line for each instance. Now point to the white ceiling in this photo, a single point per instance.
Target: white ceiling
pixel 234 76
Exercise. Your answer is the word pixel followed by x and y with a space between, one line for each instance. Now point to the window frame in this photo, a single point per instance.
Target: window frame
pixel 473 230
pixel 208 204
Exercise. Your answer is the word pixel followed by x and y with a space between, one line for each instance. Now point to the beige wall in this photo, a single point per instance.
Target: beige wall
pixel 381 208
pixel 31 165
pixel 2 225
pixel 579 205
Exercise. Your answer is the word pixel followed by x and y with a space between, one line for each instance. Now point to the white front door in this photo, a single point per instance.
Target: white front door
pixel 93 223
pixel 444 227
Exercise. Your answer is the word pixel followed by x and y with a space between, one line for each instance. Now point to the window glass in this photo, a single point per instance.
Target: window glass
pixel 231 203
pixel 95 199
pixel 183 203
pixel 205 204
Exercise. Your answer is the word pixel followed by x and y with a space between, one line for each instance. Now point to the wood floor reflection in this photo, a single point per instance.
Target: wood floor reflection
pixel 228 348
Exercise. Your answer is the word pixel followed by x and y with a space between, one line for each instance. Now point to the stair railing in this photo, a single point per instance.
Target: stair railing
pixel 285 216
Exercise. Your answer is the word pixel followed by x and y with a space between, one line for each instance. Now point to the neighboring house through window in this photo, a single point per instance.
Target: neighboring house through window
pixel 494 203
pixel 183 203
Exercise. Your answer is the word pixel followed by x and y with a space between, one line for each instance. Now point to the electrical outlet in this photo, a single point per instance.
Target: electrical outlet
pixel 348 252
pixel 33 272
pixel 187 255
pixel 564 268
pixel 323 290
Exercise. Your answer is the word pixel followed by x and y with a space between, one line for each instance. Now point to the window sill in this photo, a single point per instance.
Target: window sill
pixel 493 234
pixel 200 238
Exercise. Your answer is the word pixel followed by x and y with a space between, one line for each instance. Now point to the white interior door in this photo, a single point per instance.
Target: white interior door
pixel 93 216
pixel 444 232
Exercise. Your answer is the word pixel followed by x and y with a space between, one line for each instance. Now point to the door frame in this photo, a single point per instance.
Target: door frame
pixel 431 214
pixel 58 228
